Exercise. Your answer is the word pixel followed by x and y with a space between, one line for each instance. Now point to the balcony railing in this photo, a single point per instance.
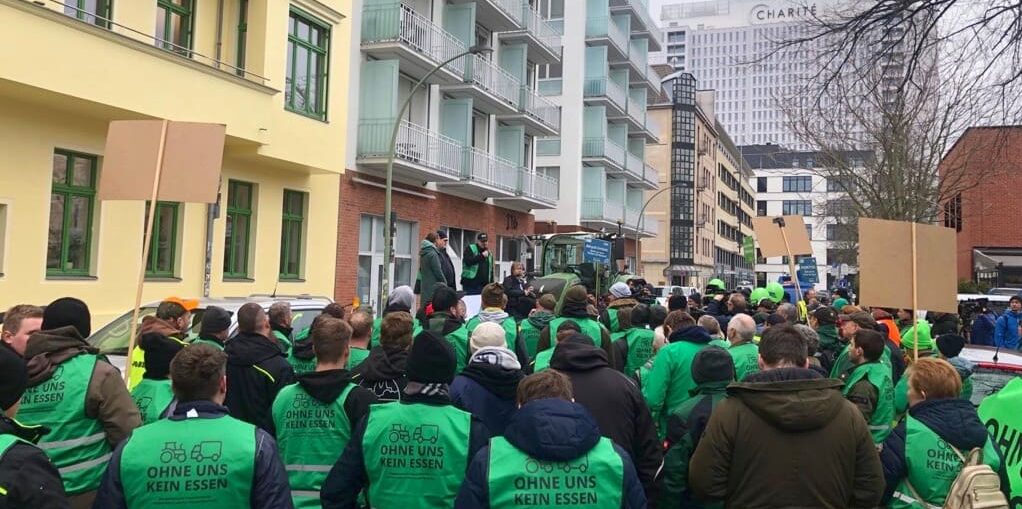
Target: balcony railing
pixel 603 147
pixel 637 111
pixel 512 8
pixel 541 28
pixel 605 87
pixel 537 186
pixel 604 26
pixel 633 165
pixel 601 209
pixel 650 175
pixel 637 61
pixel 557 25
pixel 651 27
pixel 618 35
pixel 488 169
pixel 550 86
pixel 539 108
pixel 548 146
pixel 389 23
pixel 415 144
pixel 490 77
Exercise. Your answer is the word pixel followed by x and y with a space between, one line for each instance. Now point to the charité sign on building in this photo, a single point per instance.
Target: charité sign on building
pixel 768 13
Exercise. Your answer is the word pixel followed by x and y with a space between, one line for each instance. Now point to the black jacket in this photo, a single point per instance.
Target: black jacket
pixel 551 430
pixel 257 371
pixel 447 267
pixel 326 387
pixel 28 475
pixel 955 420
pixel 943 323
pixel 270 486
pixel 348 476
pixel 518 303
pixel 616 404
pixel 383 373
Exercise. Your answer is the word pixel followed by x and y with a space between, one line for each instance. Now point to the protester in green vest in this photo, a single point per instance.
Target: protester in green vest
pixel 361 330
pixel 824 321
pixel 670 382
pixel 79 396
pixel 314 416
pixel 551 455
pixel 173 319
pixel 923 455
pixel 575 309
pixel 257 368
pixel 400 299
pixel 619 304
pixel 301 357
pixel 741 330
pixel 448 321
pixel 280 323
pixel 712 326
pixel 950 346
pixel 564 330
pixel 850 325
pixel 215 327
pixel 412 453
pixel 712 370
pixel 28 479
pixel 530 328
pixel 476 266
pixel 383 372
pixel 999 412
pixel 153 394
pixel 199 456
pixel 493 303
pixel 869 384
pixel 635 345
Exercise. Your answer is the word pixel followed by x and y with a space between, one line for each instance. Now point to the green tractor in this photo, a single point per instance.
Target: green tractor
pixel 559 265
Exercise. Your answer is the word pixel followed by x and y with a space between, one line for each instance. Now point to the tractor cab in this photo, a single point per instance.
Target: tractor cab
pixel 563 260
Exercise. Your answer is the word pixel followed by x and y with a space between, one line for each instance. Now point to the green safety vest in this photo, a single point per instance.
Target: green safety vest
pixel 883 415
pixel 517 480
pixel 76 443
pixel 589 326
pixel 614 321
pixel 152 398
pixel 1000 414
pixel 356 356
pixel 301 366
pixel 193 462
pixel 310 434
pixel 468 272
pixel 746 357
pixel 543 360
pixel 285 342
pixel 932 466
pixel 508 324
pixel 530 336
pixel 842 365
pixel 374 341
pixel 415 454
pixel 640 348
pixel 208 342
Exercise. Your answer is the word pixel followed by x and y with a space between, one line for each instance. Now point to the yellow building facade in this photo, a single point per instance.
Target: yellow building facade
pixel 271 71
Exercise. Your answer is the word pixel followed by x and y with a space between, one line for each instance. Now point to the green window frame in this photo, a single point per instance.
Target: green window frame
pixel 74 188
pixel 308 56
pixel 242 37
pixel 166 12
pixel 292 234
pixel 95 12
pixel 238 231
pixel 162 262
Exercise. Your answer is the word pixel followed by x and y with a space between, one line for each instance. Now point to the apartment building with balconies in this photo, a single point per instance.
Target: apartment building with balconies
pixel 271 71
pixel 464 157
pixel 602 86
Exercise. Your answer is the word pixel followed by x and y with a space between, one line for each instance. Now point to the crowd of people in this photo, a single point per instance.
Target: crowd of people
pixel 728 399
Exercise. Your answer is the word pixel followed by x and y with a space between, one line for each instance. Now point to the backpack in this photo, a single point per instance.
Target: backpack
pixel 977 486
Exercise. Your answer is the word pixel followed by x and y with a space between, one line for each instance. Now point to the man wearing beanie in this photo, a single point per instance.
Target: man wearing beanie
pixel 615 403
pixel 447 321
pixel 80 397
pixel 950 347
pixel 621 301
pixel 27 476
pixel 216 324
pixel 575 310
pixel 824 321
pixel 153 394
pixel 401 299
pixel 412 453
pixel 712 370
pixel 487 386
pixel 494 301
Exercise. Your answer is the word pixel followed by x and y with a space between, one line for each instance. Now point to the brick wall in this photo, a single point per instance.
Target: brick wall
pixel 430 214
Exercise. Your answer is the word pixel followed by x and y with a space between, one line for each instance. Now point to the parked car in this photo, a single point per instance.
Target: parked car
pixel 1005 291
pixel 994 368
pixel 112 339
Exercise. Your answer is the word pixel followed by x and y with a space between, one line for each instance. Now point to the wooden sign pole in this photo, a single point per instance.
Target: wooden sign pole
pixel 915 299
pixel 146 241
pixel 791 259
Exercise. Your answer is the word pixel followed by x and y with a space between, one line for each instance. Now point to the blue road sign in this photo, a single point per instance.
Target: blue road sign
pixel 807 272
pixel 596 251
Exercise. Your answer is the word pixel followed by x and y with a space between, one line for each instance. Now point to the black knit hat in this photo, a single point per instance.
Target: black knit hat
pixel 13 377
pixel 676 302
pixel 431 359
pixel 215 319
pixel 444 297
pixel 950 345
pixel 713 364
pixel 68 311
pixel 159 351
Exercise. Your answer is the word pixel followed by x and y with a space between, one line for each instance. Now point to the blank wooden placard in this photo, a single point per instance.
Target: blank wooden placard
pixel 771 243
pixel 192 159
pixel 885 266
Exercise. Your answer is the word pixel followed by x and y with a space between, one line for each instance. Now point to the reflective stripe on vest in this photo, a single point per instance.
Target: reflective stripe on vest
pixel 879 376
pixel 415 455
pixel 508 324
pixel 640 348
pixel 517 480
pixel 76 443
pixel 152 397
pixel 589 326
pixel 908 499
pixel 310 435
pixel 468 272
pixel 193 462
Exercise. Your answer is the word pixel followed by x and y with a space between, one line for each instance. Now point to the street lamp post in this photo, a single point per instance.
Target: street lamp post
pixel 642 221
pixel 388 237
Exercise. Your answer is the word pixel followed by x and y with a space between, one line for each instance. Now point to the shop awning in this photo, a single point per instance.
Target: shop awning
pixel 992 258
